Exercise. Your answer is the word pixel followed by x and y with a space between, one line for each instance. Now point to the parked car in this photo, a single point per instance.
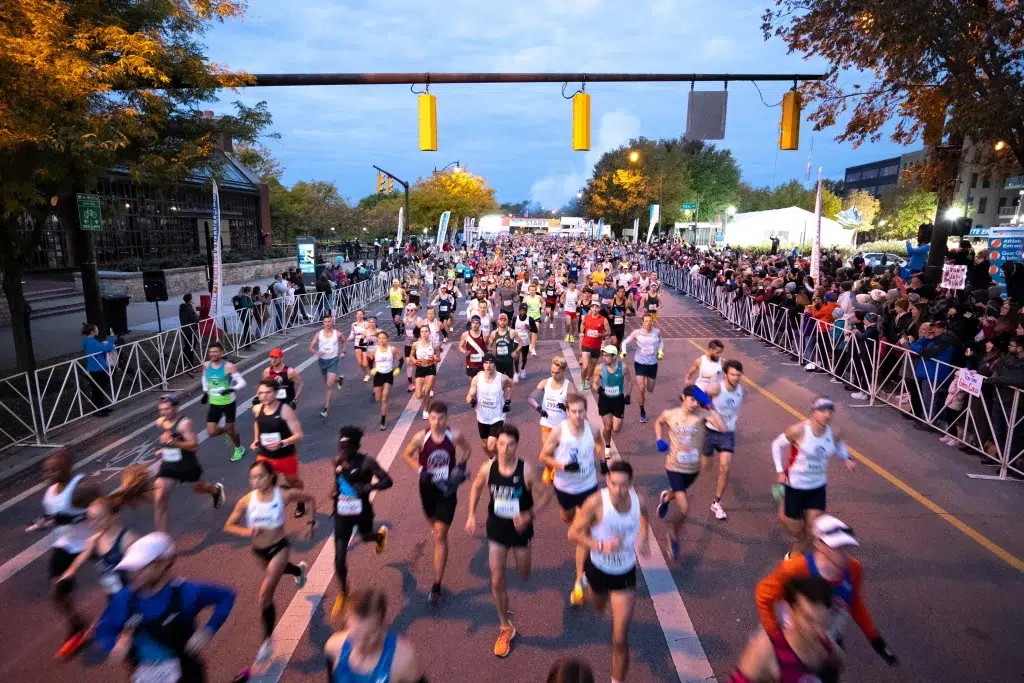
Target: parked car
pixel 875 258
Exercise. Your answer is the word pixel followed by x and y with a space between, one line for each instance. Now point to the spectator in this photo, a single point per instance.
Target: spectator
pixel 918 256
pixel 97 346
pixel 188 320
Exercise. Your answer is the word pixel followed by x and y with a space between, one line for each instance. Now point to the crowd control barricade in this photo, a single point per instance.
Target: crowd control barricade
pixel 18 420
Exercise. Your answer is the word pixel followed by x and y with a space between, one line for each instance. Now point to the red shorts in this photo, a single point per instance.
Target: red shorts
pixel 288 466
pixel 570 314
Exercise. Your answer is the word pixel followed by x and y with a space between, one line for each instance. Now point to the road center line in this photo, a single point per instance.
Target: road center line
pixel 684 646
pixel 295 620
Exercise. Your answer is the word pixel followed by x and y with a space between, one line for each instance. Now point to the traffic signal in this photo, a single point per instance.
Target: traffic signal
pixel 789 139
pixel 390 185
pixel 428 122
pixel 581 122
pixel 380 183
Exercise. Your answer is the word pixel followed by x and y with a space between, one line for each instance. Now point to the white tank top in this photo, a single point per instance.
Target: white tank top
pixel 614 524
pixel 579 449
pixel 489 399
pixel 435 332
pixel 411 329
pixel 647 344
pixel 551 399
pixel 808 468
pixel 358 329
pixel 727 403
pixel 710 374
pixel 328 346
pixel 424 352
pixel 383 360
pixel 571 298
pixel 70 537
pixel 523 329
pixel 265 515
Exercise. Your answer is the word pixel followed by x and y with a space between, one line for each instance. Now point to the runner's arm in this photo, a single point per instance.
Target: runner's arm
pixel 588 516
pixel 548 448
pixel 296 378
pixel 479 482
pixel 625 343
pixel 462 343
pixel 506 388
pixel 769 590
pixel 292 420
pixel 81 558
pixel 383 479
pixel 233 526
pixel 659 424
pixel 758 662
pixel 537 392
pixel 313 341
pixel 199 596
pixel 332 650
pixel 188 440
pixel 237 381
pixel 202 380
pixel 691 374
pixel 409 455
pixel 716 420
pixel 406 666
pixel 858 610
pixel 541 492
pixel 255 426
pixel 471 394
pixel 111 623
pixel 461 445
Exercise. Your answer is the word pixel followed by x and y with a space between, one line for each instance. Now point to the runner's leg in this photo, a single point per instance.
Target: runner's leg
pixel 622 614
pixel 497 556
pixel 162 488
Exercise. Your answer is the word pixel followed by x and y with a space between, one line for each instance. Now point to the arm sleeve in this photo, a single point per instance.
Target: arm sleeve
pixel 625 343
pixel 384 480
pixel 237 381
pixel 858 610
pixel 778 449
pixel 769 590
pixel 534 396
pixel 110 624
pixel 202 379
pixel 203 595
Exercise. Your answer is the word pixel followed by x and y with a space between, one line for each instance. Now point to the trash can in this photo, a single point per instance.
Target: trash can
pixel 115 310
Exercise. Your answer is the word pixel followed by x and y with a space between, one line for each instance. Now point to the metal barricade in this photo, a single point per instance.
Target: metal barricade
pixel 18 424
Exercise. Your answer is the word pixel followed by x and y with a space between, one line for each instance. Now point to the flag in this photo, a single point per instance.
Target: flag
pixel 217 285
pixel 401 214
pixel 636 230
pixel 600 228
pixel 442 228
pixel 816 249
pixel 655 215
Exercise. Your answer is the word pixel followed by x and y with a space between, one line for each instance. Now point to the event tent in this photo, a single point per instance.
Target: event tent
pixel 793 226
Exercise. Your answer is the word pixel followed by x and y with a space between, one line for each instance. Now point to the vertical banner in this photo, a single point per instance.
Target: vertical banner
pixel 590 228
pixel 215 303
pixel 442 228
pixel 655 215
pixel 465 231
pixel 636 230
pixel 401 215
pixel 600 228
pixel 816 248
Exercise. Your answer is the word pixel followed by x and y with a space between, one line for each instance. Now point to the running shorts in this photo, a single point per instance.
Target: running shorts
pixel 534 324
pixel 382 378
pixel 487 431
pixel 185 470
pixel 506 368
pixel 408 351
pixel 615 406
pixel 680 481
pixel 436 506
pixel 796 501
pixel 328 366
pixel 214 413
pixel 641 370
pixel 268 553
pixel 473 372
pixel 503 532
pixel 571 501
pixel 397 312
pixel 287 466
pixel 602 583
pixel 718 442
pixel 619 331
pixel 589 351
pixel 425 371
pixel 570 314
pixel 344 524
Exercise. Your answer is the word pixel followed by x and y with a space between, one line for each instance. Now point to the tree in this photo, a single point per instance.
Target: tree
pixel 831 205
pixel 464 194
pixel 902 209
pixel 866 205
pixel 82 90
pixel 517 209
pixel 939 67
pixel 261 160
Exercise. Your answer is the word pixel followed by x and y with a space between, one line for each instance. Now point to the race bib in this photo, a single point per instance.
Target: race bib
pixel 593 334
pixel 647 349
pixel 111 582
pixel 687 457
pixel 570 308
pixel 170 454
pixel 507 303
pixel 503 350
pixel 652 307
pixel 619 320
pixel 816 466
pixel 349 505
pixel 551 404
pixel 476 357
pixel 507 508
pixel 414 292
pixel 269 438
pixel 620 559
pixel 439 474
pixel 282 394
pixel 488 402
pixel 167 671
pixel 612 392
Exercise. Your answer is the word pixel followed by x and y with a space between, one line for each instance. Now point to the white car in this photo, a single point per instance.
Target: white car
pixel 874 259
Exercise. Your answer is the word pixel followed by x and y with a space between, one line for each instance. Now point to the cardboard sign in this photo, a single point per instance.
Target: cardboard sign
pixel 969 381
pixel 954 277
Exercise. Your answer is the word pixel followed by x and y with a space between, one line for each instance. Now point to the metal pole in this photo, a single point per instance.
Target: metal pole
pixel 159 323
pixel 279 80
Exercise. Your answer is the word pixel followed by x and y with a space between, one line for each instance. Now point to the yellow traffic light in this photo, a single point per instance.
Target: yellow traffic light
pixel 380 183
pixel 789 139
pixel 428 122
pixel 390 185
pixel 581 122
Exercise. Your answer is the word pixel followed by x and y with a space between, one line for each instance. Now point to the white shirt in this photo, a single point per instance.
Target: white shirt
pixel 265 514
pixel 578 449
pixel 807 469
pixel 727 403
pixel 614 524
pixel 550 401
pixel 490 399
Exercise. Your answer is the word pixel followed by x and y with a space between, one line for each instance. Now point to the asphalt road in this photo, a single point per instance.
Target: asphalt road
pixel 940 550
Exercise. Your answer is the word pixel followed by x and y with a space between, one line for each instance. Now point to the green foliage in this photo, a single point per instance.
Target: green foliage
pixel 866 204
pixel 464 194
pixel 903 208
pixel 786 195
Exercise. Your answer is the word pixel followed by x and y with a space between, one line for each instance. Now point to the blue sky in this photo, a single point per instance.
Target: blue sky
pixel 517 136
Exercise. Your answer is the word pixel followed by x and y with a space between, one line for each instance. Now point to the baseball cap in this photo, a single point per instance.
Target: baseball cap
pixel 823 403
pixel 833 532
pixel 152 546
pixel 489 357
pixel 276 353
pixel 610 349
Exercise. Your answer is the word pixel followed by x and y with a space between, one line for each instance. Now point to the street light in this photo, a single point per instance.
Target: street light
pixel 456 164
pixel 731 210
pixel 634 156
pixel 954 212
pixel 1001 145
pixel 553 212
pixel 579 195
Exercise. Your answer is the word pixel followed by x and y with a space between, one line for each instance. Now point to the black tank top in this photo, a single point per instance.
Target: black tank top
pixel 284 382
pixel 186 455
pixel 503 345
pixel 274 424
pixel 505 490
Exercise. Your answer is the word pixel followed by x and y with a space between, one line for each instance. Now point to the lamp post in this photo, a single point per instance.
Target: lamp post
pixel 456 164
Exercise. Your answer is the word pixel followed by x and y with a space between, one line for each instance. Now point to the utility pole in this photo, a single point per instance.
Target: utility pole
pixel 405 186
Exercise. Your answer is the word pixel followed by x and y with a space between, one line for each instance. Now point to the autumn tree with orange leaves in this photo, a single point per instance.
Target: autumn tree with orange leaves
pixel 84 87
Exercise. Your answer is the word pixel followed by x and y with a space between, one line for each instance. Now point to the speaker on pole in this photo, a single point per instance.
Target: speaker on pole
pixel 155 284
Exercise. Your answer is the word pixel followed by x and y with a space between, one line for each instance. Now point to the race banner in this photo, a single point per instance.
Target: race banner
pixel 655 215
pixel 442 228
pixel 636 230
pixel 215 303
pixel 600 228
pixel 816 249
pixel 401 214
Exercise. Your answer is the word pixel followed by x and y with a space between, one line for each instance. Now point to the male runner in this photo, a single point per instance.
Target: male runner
pixel 510 514
pixel 507 296
pixel 706 370
pixel 289 380
pixel 682 463
pixel 613 388
pixel 608 525
pixel 533 303
pixel 522 328
pixel 551 297
pixel 178 462
pixel 726 397
pixel 439 455
pixel 490 394
pixel 396 299
pixel 505 344
pixel 445 304
pixel 569 452
pixel 473 344
pixel 276 430
pixel 801 456
pixel 650 348
pixel 570 304
pixel 325 345
pixel 595 331
pixel 220 380
pixel 366 651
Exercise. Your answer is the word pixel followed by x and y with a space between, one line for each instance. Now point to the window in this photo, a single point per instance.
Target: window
pixel 1002 204
pixel 974 180
pixel 891 170
pixel 870 173
pixel 970 203
pixel 852 177
pixel 985 183
pixel 983 205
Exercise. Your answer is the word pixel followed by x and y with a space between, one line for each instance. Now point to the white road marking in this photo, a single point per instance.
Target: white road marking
pixel 293 623
pixel 688 657
pixel 133 456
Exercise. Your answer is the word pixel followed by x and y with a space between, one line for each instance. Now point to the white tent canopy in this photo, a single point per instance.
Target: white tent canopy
pixel 793 226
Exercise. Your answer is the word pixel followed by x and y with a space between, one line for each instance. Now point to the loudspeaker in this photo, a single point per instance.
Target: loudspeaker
pixel 155 284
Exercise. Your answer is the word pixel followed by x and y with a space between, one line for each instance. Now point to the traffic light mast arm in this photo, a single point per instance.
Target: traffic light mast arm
pixel 405 187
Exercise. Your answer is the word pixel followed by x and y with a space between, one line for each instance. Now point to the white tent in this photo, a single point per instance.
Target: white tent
pixel 793 226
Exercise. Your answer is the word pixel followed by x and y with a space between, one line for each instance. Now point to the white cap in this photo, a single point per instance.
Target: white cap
pixel 610 349
pixel 153 546
pixel 833 532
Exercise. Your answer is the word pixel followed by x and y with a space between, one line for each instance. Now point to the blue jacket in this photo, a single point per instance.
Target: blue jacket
pixel 918 256
pixel 97 351
pixel 931 351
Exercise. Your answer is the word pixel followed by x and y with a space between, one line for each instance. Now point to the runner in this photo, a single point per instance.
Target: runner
pixel 473 344
pixel 220 381
pixel 276 430
pixel 397 299
pixel 505 345
pixel 570 304
pixel 365 651
pixel 551 297
pixel 425 356
pixel 480 307
pixel 263 509
pixel 650 348
pixel 803 649
pixel 706 370
pixel 65 506
pixel 411 322
pixel 151 626
pixel 652 302
pixel 387 364
pixel 507 295
pixel 569 452
pixel 554 393
pixel 354 475
pixel 439 455
pixel 831 560
pixel 801 456
pixel 533 303
pixel 617 315
pixel 370 345
pixel 510 514
pixel 613 388
pixel 726 397
pixel 445 304
pixel 289 380
pixel 608 525
pixel 684 446
pixel 522 328
pixel 179 462
pixel 491 395
pixel 326 345
pixel 595 330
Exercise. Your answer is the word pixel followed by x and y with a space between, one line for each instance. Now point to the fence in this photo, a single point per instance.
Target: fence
pixel 922 388
pixel 33 405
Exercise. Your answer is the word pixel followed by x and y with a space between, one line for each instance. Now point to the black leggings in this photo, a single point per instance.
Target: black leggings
pixel 343 526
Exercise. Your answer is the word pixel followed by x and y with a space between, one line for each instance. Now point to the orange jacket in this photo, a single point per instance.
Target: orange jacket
pixel 769 591
pixel 824 315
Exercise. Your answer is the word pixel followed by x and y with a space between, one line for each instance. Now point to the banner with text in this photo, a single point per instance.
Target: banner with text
pixel 215 302
pixel 655 216
pixel 442 228
pixel 401 214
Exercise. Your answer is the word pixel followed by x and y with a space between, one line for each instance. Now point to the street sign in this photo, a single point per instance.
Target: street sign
pixel 89 216
pixel 689 207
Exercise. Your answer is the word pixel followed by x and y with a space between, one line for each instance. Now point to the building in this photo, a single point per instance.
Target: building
pixel 878 176
pixel 144 223
pixel 987 200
